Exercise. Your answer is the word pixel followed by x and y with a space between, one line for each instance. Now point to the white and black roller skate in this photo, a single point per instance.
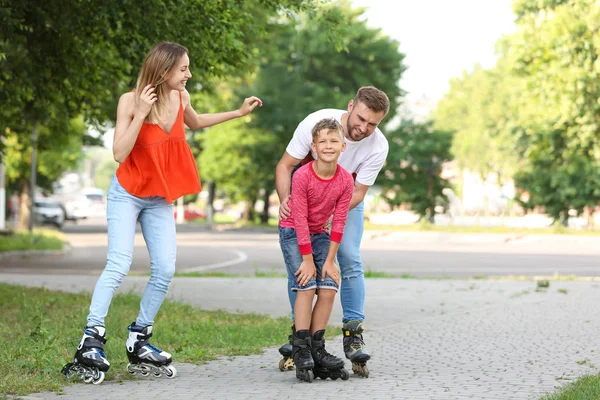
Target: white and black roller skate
pixel 301 353
pixel 145 358
pixel 90 362
pixel 355 348
pixel 287 362
pixel 326 364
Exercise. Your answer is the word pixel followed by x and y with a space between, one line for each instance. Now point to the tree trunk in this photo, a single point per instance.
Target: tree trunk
pixel 210 207
pixel 33 176
pixel 25 207
pixel 264 217
pixel 249 210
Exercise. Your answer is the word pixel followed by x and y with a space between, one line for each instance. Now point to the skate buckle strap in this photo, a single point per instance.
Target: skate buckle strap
pixel 95 335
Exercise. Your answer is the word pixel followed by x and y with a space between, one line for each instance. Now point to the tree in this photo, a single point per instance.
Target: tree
pixel 412 171
pixel 59 62
pixel 555 51
pixel 302 70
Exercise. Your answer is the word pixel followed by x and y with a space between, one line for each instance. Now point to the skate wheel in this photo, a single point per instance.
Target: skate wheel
pixel 282 364
pixel 88 378
pixel 289 364
pixel 360 369
pixel 99 379
pixel 344 374
pixel 170 372
pixel 130 369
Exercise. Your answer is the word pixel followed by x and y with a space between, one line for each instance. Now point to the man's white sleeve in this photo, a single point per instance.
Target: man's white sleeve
pixel 300 145
pixel 367 173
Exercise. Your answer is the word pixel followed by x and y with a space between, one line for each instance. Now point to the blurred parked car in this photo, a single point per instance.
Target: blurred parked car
pixel 49 211
pixel 78 208
pixel 97 200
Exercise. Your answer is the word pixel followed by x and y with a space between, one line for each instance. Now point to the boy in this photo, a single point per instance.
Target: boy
pixel 320 189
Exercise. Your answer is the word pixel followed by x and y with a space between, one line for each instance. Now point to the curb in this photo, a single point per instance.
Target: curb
pixel 35 253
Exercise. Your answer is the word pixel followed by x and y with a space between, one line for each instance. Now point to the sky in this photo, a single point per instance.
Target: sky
pixel 440 38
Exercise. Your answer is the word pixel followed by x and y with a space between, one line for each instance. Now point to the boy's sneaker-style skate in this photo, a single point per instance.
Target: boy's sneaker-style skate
pixel 354 347
pixel 287 362
pixel 144 357
pixel 90 362
pixel 301 353
pixel 326 365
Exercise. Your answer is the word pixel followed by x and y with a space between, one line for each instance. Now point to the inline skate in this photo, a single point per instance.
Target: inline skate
pixel 287 362
pixel 144 357
pixel 326 364
pixel 90 362
pixel 301 353
pixel 354 347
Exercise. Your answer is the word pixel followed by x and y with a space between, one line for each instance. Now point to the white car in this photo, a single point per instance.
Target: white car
pixel 49 211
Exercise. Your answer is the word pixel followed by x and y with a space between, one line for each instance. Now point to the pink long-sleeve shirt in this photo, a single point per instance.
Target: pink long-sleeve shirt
pixel 314 200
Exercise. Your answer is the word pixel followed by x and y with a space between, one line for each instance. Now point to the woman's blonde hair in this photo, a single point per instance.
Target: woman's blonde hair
pixel 158 63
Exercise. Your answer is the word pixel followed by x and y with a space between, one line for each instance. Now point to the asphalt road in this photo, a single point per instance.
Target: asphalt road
pixel 420 254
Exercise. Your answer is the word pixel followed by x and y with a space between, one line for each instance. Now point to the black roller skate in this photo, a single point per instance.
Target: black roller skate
pixel 287 362
pixel 354 347
pixel 90 361
pixel 326 365
pixel 301 353
pixel 144 357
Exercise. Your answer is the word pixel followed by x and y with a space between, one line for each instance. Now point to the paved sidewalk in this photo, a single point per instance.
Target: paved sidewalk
pixel 430 339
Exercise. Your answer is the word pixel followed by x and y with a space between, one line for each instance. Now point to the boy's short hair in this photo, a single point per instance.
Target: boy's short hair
pixel 373 98
pixel 330 124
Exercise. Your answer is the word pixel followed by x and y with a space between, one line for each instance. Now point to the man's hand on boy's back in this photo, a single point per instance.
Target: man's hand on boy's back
pixel 329 268
pixel 306 271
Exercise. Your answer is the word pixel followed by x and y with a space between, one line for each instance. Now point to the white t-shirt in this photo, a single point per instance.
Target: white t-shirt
pixel 365 158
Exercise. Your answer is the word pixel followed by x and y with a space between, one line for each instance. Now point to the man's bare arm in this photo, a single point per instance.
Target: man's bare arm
pixel 283 182
pixel 358 194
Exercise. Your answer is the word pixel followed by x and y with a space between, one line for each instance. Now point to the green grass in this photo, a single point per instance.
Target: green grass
pixel 40 239
pixel 427 227
pixel 40 330
pixel 585 388
pixel 217 274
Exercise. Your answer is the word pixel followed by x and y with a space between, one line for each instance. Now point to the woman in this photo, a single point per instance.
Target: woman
pixel 156 167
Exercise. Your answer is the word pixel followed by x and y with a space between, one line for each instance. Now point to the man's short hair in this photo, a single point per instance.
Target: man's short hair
pixel 373 98
pixel 330 124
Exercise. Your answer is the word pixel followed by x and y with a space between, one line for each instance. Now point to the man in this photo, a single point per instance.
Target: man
pixel 365 154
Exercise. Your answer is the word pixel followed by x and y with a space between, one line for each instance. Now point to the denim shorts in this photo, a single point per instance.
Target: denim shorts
pixel 293 259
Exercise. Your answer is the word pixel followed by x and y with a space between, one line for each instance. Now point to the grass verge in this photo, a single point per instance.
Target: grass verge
pixel 39 239
pixel 428 227
pixel 40 330
pixel 585 388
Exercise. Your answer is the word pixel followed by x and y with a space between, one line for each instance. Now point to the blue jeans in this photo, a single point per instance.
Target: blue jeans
pixel 352 291
pixel 158 227
pixel 293 259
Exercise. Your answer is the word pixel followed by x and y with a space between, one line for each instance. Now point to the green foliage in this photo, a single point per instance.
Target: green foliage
pixel 59 62
pixel 534 116
pixel 301 70
pixel 59 145
pixel 412 170
pixel 235 157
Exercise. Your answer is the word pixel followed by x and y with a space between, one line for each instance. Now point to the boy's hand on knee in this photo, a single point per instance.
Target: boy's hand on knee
pixel 331 270
pixel 306 272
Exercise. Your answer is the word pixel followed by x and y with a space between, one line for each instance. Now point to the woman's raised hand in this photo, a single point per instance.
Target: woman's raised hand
pixel 147 98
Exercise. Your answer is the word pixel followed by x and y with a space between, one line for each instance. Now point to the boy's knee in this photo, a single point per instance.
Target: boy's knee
pixel 326 294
